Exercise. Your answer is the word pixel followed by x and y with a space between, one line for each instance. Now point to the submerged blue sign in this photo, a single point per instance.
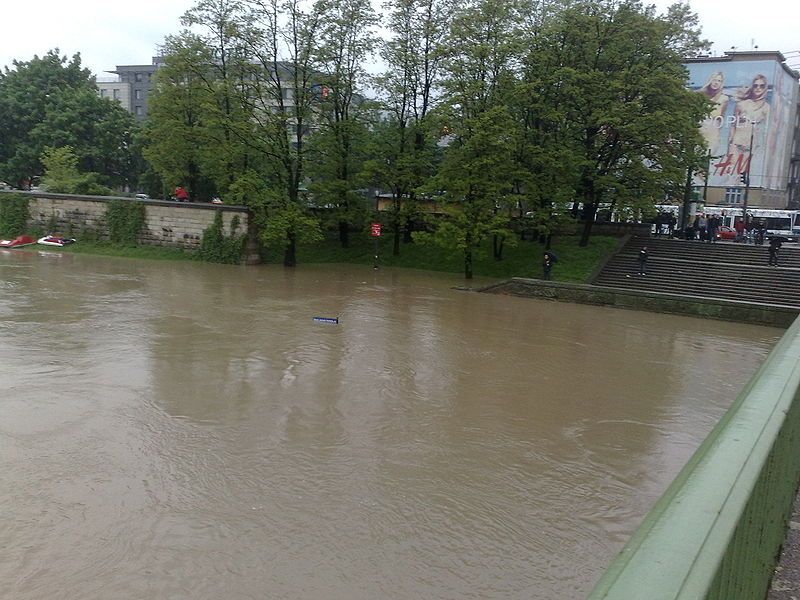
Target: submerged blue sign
pixel 333 320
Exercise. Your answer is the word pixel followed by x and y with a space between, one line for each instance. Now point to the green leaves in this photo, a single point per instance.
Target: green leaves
pixel 14 215
pixel 51 102
pixel 61 174
pixel 125 220
pixel 217 247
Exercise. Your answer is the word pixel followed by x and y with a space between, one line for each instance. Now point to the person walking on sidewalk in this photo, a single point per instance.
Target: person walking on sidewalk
pixel 642 259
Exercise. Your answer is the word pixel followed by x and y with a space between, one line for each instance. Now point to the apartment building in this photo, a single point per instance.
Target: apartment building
pixel 131 86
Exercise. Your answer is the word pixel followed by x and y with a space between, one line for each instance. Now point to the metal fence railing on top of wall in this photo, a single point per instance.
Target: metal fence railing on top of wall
pixel 717 530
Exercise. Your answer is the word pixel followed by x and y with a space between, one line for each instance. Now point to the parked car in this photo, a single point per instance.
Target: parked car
pixel 142 197
pixel 726 233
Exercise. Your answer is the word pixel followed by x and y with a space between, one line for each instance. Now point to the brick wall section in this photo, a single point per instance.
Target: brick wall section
pixel 179 225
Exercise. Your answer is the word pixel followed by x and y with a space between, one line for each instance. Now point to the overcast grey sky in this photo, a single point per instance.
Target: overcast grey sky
pixel 111 33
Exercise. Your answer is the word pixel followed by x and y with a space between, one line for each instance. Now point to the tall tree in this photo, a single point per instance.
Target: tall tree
pixel 223 31
pixel 178 139
pixel 620 90
pixel 477 173
pixel 347 40
pixel 53 102
pixel 404 145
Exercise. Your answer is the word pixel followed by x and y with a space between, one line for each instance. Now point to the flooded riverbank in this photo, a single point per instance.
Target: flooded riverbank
pixel 188 430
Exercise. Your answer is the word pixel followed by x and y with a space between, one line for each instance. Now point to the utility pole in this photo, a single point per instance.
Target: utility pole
pixel 746 176
pixel 708 174
pixel 687 198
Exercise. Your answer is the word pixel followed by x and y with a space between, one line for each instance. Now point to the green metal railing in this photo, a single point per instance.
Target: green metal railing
pixel 717 530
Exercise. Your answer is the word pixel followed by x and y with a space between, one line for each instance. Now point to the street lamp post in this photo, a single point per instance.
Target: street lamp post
pixel 708 174
pixel 747 176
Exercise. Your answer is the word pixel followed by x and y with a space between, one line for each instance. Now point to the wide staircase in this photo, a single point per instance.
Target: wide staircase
pixel 724 270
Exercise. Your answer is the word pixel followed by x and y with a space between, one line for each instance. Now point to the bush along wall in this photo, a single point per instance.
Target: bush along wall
pixel 125 221
pixel 219 248
pixel 14 215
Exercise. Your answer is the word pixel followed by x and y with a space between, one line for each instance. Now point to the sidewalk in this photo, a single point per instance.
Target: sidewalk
pixel 786 580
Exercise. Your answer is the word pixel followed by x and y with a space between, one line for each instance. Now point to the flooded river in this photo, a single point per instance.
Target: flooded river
pixel 180 430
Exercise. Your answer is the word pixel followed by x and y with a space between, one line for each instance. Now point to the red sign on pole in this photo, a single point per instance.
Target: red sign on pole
pixel 376 230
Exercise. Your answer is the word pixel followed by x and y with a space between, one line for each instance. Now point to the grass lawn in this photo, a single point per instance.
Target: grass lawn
pixel 109 249
pixel 574 263
pixel 524 260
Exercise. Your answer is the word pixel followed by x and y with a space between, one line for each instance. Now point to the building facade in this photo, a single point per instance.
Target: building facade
pixel 131 87
pixel 752 130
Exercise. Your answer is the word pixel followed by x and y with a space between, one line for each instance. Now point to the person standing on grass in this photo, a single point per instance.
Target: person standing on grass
pixel 548 259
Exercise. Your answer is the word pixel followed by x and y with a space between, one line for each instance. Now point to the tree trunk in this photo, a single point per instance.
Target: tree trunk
pixel 468 257
pixel 396 227
pixel 498 244
pixel 344 234
pixel 589 212
pixel 290 253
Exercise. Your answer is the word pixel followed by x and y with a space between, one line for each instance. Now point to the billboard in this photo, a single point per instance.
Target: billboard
pixel 752 120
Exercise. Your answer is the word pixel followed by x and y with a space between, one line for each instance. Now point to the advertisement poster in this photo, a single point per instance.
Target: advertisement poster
pixel 750 124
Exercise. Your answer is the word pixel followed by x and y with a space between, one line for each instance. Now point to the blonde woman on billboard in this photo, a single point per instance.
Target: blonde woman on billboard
pixel 751 110
pixel 712 125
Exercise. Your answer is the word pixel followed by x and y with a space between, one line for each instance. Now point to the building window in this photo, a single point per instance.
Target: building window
pixel 138 110
pixel 103 93
pixel 138 77
pixel 115 92
pixel 734 195
pixel 137 94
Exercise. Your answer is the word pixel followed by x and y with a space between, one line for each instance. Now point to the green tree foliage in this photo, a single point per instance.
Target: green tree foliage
pixel 475 177
pixel 238 100
pixel 14 215
pixel 199 124
pixel 403 147
pixel 177 135
pixel 217 247
pixel 346 43
pixel 273 214
pixel 48 101
pixel 477 171
pixel 617 114
pixel 125 220
pixel 61 174
pixel 502 109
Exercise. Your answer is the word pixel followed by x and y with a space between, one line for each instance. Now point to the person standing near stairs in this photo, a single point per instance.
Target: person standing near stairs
pixel 642 258
pixel 774 247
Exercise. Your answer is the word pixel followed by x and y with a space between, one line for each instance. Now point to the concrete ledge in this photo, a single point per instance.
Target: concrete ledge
pixel 169 203
pixel 727 310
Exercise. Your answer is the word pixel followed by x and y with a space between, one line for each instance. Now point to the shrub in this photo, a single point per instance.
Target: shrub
pixel 14 215
pixel 217 247
pixel 125 221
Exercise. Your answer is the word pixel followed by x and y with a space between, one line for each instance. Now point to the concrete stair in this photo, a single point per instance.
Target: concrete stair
pixel 726 270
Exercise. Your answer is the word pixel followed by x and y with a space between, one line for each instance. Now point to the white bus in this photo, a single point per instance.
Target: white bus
pixel 777 222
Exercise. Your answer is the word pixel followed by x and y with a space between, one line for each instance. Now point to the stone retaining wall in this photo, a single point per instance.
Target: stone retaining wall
pixel 172 224
pixel 727 310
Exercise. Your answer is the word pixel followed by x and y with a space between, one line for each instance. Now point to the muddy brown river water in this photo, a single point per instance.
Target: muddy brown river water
pixel 179 430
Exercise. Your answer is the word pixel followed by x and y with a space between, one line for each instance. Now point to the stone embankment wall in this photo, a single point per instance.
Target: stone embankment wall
pixel 726 310
pixel 172 224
